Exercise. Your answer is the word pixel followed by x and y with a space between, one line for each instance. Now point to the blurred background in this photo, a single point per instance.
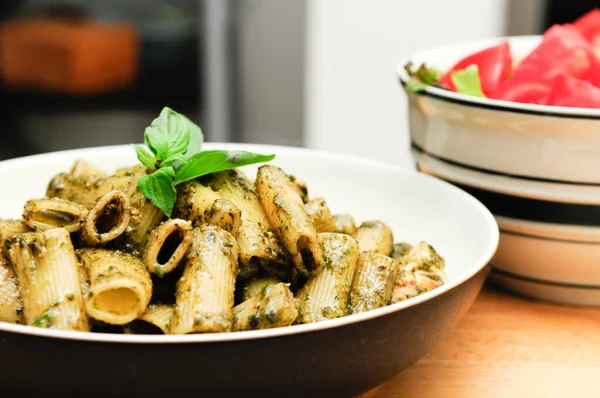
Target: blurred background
pixel 314 73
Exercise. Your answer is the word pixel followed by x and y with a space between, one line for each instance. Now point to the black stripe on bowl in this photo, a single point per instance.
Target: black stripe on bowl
pixel 543 211
pixel 543 281
pixel 501 106
pixel 442 159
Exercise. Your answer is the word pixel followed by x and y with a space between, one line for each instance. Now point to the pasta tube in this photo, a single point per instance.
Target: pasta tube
pixel 425 259
pixel 167 246
pixel 194 201
pixel 84 168
pixel 254 286
pixel 145 217
pixel 226 215
pixel 287 215
pixel 85 189
pixel 375 236
pixel 43 214
pixel 205 292
pixel 273 307
pixel 325 296
pixel 408 285
pixel 84 278
pixel 130 171
pixel 344 224
pixel 8 229
pixel 156 320
pixel 200 204
pixel 108 219
pixel 258 243
pixel 300 187
pixel 373 282
pixel 422 270
pixel 399 250
pixel 120 286
pixel 11 305
pixel 46 268
pixel 320 215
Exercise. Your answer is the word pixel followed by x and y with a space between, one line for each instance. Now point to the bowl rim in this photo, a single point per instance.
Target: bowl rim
pixel 483 261
pixel 489 103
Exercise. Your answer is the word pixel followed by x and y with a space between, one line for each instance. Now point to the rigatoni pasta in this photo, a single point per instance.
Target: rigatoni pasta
pixel 86 189
pixel 8 229
pixel 46 213
pixel 258 244
pixel 47 272
pixel 144 217
pixel 167 246
pixel 289 219
pixel 200 204
pixel 373 282
pixel 11 305
pixel 108 219
pixel 157 318
pixel 205 292
pixel 82 168
pixel 271 308
pixel 421 270
pixel 234 255
pixel 375 236
pixel 345 224
pixel 300 187
pixel 320 215
pixel 325 296
pixel 254 286
pixel 120 285
pixel 399 250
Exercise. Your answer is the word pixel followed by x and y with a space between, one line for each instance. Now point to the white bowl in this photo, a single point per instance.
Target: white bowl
pixel 340 357
pixel 535 166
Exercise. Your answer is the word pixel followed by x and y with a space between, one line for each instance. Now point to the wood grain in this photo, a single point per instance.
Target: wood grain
pixel 507 346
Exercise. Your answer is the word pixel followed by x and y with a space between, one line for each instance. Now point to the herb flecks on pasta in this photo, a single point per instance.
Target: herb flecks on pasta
pixel 187 242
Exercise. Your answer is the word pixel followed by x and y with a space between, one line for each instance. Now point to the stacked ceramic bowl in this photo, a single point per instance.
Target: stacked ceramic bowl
pixel 536 167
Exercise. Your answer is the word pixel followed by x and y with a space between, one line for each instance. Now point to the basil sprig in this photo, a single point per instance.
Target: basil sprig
pixel 173 155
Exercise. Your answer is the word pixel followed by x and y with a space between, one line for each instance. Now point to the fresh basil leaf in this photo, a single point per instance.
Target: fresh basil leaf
pixel 467 81
pixel 145 157
pixel 169 134
pixel 158 188
pixel 207 162
pixel 196 139
pixel 176 161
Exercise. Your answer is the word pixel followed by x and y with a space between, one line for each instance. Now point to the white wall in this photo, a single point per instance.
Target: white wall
pixel 353 101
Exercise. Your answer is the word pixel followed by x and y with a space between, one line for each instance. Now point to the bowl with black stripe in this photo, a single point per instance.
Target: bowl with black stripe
pixel 341 357
pixel 536 167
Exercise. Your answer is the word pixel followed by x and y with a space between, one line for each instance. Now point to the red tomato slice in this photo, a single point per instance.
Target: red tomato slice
pixel 589 26
pixel 494 64
pixel 573 92
pixel 529 92
pixel 563 50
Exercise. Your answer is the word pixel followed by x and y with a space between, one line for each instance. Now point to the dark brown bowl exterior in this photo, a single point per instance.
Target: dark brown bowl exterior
pixel 339 362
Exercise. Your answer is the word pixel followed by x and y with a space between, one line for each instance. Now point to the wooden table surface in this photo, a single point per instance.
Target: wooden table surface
pixel 509 347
